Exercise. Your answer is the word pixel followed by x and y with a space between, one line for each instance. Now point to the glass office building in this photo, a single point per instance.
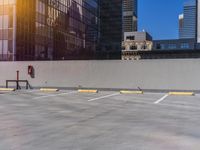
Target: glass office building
pixel 198 21
pixel 187 27
pixel 174 44
pixel 48 29
pixel 110 29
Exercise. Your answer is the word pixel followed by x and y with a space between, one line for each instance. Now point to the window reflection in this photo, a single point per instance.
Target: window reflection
pixel 6 29
pixel 49 29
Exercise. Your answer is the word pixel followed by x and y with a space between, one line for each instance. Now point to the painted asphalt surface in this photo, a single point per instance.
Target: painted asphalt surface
pixel 67 120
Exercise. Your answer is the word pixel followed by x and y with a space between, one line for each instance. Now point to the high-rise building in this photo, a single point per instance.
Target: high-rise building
pixel 110 29
pixel 48 29
pixel 181 18
pixel 60 29
pixel 187 21
pixel 198 21
pixel 130 15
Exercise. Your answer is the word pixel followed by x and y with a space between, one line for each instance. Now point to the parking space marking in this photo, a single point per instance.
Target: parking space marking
pixel 102 97
pixel 161 99
pixel 54 95
pixel 18 92
pixel 26 92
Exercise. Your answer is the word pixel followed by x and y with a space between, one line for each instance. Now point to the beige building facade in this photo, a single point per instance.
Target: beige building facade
pixel 134 42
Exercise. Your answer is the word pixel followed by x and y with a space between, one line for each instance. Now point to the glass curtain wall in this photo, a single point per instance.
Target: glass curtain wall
pixel 60 29
pixel 110 29
pixel 56 29
pixel 7 32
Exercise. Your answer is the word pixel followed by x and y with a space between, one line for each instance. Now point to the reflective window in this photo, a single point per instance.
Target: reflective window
pixel 63 29
pixel 185 45
pixel 172 46
pixel 6 29
pixel 5 46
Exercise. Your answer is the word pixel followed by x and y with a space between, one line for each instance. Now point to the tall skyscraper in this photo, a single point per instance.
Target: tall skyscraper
pixel 198 21
pixel 187 22
pixel 181 18
pixel 60 29
pixel 110 29
pixel 130 15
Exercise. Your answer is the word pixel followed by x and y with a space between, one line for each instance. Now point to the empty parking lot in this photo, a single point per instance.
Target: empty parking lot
pixel 108 120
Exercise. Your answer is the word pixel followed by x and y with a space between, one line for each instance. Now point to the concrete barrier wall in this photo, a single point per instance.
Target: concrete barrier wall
pixel 113 74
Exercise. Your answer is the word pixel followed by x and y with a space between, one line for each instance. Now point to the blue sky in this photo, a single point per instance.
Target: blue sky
pixel 160 17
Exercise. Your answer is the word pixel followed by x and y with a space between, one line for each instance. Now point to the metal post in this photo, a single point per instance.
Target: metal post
pixel 27 85
pixel 6 84
pixel 17 79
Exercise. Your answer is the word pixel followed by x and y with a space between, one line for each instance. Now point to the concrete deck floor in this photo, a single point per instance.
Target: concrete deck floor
pixel 67 120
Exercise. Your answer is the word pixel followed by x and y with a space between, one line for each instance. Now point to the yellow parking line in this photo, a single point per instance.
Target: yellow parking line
pixel 87 91
pixel 131 92
pixel 48 90
pixel 182 93
pixel 7 89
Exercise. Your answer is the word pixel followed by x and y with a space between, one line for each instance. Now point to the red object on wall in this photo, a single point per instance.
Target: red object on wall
pixel 30 70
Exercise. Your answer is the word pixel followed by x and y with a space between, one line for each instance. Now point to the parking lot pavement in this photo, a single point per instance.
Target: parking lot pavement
pixel 68 120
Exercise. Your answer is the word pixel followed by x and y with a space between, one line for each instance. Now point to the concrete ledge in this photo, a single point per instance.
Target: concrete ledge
pixel 182 93
pixel 109 74
pixel 48 90
pixel 87 91
pixel 7 89
pixel 131 92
